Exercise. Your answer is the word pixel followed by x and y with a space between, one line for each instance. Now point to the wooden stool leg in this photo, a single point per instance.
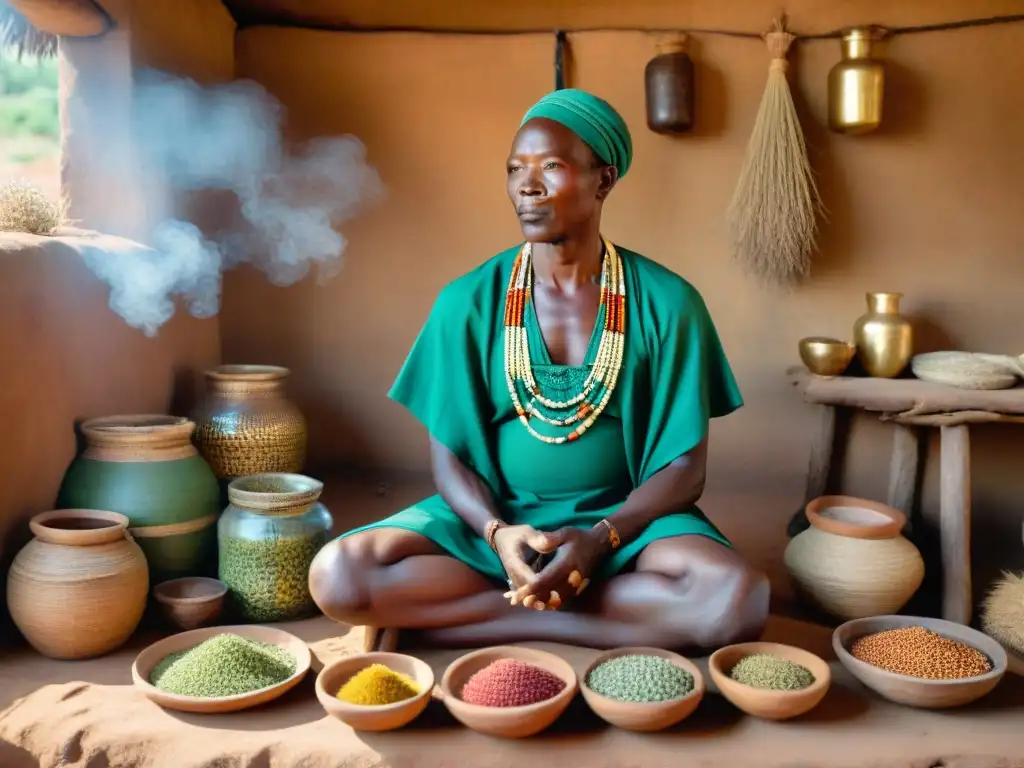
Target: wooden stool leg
pixel 822 444
pixel 818 467
pixel 955 523
pixel 903 470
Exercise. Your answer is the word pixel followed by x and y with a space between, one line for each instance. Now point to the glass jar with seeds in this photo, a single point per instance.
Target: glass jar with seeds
pixel 267 537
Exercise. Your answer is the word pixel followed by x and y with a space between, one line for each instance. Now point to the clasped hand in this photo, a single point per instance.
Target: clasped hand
pixel 577 553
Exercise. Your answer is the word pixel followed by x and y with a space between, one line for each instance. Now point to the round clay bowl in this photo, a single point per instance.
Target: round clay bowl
pixel 506 722
pixel 192 601
pixel 152 655
pixel 644 716
pixel 769 704
pixel 386 717
pixel 916 691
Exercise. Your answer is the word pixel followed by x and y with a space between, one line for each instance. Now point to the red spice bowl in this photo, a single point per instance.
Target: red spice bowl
pixel 644 716
pixel 385 717
pixel 507 722
pixel 767 703
pixel 918 691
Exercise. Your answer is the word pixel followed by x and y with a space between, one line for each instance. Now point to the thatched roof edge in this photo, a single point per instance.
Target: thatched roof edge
pixel 17 35
pixel 85 18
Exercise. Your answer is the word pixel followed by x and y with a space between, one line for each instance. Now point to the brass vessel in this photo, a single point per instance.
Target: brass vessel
pixel 856 84
pixel 826 357
pixel 247 425
pixel 884 338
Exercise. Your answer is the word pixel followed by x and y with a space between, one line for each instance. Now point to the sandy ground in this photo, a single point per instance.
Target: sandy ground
pixel 87 715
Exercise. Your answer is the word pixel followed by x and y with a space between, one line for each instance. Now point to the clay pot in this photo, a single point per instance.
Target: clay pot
pixel 246 425
pixel 146 468
pixel 79 588
pixel 852 561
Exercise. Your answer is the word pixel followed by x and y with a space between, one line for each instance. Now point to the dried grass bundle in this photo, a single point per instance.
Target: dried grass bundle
pixel 773 213
pixel 25 208
pixel 1002 613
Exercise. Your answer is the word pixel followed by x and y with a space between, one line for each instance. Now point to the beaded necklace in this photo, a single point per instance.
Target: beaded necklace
pixel 590 402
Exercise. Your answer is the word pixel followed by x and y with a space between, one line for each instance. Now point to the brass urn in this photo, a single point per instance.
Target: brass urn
pixel 884 338
pixel 856 85
pixel 246 424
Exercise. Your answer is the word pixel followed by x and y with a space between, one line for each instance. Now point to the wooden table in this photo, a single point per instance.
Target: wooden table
pixel 912 404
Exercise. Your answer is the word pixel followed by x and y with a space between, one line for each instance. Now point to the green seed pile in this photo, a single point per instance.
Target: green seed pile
pixel 268 579
pixel 640 678
pixel 765 670
pixel 224 665
pixel 919 652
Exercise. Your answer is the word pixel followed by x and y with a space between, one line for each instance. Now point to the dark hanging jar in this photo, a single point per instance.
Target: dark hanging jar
pixel 668 81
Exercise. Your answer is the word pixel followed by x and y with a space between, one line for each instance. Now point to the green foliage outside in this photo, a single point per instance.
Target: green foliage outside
pixel 29 115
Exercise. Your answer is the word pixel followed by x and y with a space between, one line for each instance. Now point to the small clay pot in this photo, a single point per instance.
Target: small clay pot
pixel 191 602
pixel 852 561
pixel 78 589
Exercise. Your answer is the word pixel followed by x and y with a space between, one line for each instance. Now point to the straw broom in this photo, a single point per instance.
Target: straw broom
pixel 773 213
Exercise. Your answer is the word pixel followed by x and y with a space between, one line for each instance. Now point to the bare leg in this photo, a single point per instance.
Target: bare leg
pixel 391 577
pixel 686 592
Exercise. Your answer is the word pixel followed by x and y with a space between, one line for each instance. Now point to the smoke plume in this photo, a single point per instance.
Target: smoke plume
pixel 287 202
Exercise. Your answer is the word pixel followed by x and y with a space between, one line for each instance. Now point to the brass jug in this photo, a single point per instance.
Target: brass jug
pixel 856 84
pixel 884 338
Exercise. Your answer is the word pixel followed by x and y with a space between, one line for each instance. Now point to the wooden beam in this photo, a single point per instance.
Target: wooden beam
pixel 910 397
pixel 954 419
pixel 955 523
pixel 752 16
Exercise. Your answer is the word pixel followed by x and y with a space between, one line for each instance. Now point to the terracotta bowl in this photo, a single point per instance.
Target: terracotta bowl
pixel 644 716
pixel 915 691
pixel 386 717
pixel 151 656
pixel 191 601
pixel 506 722
pixel 768 704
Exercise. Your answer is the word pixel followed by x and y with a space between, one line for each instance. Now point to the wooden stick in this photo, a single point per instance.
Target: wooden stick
pixel 910 397
pixel 955 523
pixel 903 470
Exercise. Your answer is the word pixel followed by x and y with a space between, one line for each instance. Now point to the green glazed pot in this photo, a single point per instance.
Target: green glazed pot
pixel 146 468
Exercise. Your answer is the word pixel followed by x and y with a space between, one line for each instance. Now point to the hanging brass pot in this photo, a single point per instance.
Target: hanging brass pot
pixel 668 87
pixel 856 84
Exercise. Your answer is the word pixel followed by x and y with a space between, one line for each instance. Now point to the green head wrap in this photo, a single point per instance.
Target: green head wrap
pixel 592 119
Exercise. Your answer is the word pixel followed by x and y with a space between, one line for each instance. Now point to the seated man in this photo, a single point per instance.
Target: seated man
pixel 567 385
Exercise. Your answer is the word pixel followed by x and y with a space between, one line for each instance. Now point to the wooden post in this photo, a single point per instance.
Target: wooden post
pixel 903 469
pixel 822 444
pixel 955 523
